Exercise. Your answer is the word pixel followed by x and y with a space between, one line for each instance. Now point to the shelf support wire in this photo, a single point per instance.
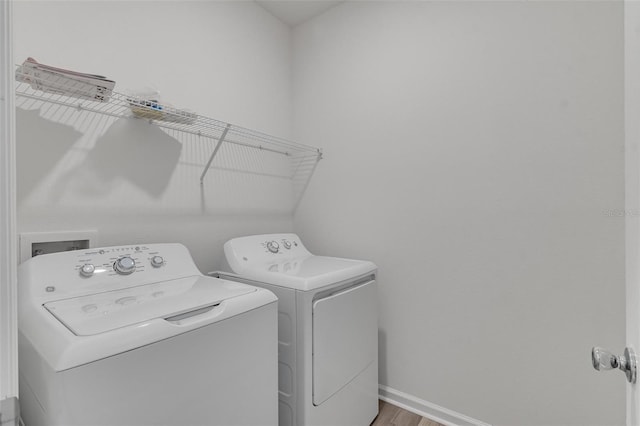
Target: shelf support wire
pixel 215 151
pixel 306 184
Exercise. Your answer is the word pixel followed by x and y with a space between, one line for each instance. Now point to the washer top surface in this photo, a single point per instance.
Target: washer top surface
pixel 97 313
pixel 282 260
pixel 81 306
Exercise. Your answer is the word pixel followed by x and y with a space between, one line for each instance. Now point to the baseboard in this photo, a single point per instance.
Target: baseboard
pixel 426 409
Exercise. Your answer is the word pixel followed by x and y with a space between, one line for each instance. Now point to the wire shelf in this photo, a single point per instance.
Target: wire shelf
pixel 82 94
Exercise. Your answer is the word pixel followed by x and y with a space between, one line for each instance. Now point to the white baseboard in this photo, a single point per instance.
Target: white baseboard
pixel 426 409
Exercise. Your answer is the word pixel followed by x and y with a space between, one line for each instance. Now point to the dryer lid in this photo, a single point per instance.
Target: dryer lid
pixel 102 312
pixel 282 260
pixel 307 273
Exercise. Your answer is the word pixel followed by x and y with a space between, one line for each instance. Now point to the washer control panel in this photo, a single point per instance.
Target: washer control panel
pixel 79 272
pixel 118 260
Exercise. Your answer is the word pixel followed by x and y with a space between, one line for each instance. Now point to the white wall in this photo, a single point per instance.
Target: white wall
pixel 128 179
pixel 475 152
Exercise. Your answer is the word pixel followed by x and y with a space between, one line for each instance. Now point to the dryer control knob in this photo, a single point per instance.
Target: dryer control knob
pixel 87 270
pixel 273 246
pixel 125 265
pixel 287 244
pixel 157 261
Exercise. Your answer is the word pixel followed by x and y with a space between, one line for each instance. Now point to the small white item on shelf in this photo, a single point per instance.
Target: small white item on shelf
pixel 65 82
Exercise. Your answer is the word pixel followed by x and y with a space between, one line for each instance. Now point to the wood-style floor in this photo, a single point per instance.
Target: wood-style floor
pixel 390 415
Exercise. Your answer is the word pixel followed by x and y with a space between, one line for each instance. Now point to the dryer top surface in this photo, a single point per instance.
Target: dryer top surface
pixel 282 260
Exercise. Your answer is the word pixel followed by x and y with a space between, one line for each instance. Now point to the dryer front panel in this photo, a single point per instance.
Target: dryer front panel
pixel 345 338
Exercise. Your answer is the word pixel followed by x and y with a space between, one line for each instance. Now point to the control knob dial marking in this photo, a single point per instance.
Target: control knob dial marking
pixel 125 265
pixel 87 270
pixel 273 246
pixel 157 261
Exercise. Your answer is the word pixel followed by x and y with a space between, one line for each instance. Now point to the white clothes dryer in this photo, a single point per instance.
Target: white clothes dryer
pixel 136 335
pixel 327 328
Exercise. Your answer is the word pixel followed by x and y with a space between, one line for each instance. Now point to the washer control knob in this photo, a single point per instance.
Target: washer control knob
pixel 87 270
pixel 157 261
pixel 125 265
pixel 273 246
pixel 286 244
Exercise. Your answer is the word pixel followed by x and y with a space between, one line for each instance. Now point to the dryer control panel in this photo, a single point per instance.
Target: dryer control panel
pixel 263 249
pixel 282 245
pixel 76 273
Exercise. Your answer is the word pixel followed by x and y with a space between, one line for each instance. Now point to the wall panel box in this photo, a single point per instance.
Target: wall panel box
pixel 36 243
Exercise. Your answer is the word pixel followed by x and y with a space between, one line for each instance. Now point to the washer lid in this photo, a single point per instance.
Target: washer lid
pixel 307 273
pixel 102 312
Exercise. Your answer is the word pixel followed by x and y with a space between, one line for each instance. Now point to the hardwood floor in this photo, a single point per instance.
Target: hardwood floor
pixel 390 415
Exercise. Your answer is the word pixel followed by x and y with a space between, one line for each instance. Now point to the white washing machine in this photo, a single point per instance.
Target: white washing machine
pixel 136 335
pixel 327 328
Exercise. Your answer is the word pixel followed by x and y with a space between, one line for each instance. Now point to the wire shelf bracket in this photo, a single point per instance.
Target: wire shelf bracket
pixel 213 154
pixel 36 90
